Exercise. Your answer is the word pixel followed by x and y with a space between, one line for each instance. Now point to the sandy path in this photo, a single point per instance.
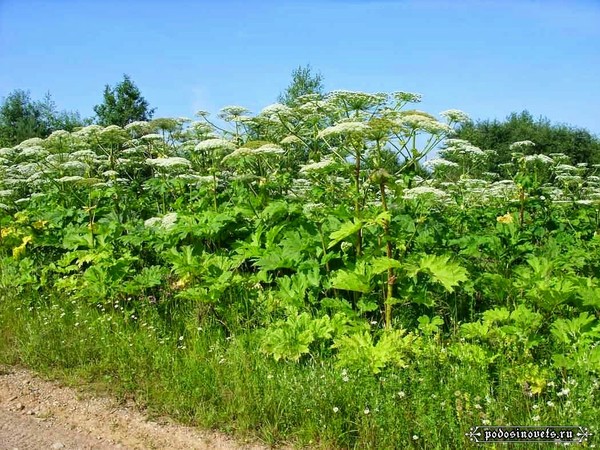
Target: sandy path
pixel 38 414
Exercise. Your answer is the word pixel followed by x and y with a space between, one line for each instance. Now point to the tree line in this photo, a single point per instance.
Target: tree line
pixel 22 118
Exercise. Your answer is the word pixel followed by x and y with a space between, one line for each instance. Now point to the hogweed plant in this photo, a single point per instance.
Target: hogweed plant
pixel 328 234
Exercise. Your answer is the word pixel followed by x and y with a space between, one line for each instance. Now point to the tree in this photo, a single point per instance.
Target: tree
pixel 20 119
pixel 123 104
pixel 577 143
pixel 23 118
pixel 303 83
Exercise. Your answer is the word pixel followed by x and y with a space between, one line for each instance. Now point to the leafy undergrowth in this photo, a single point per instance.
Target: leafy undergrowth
pixel 301 277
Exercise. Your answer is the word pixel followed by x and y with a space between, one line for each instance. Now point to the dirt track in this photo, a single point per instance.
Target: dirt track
pixel 37 414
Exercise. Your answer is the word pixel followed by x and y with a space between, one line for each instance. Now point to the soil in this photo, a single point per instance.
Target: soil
pixel 39 414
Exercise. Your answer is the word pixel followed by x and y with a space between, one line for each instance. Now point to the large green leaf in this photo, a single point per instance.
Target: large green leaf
pixel 347 229
pixel 441 270
pixel 351 281
pixel 382 264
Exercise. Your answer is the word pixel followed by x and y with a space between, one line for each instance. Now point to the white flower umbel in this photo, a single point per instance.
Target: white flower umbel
pixel 317 166
pixel 276 109
pixel 152 137
pixel 270 149
pixel 215 144
pixel 439 162
pixel 70 179
pixel 32 142
pixel 566 168
pixel 166 222
pixel 84 154
pixel 426 191
pixel 539 158
pixel 423 122
pixel 291 139
pixel 520 144
pixel 455 116
pixel 407 97
pixel 7 152
pixel 59 134
pixel 34 152
pixel 87 131
pixel 232 113
pixel 462 147
pixel 173 162
pixel 345 129
pixel 75 166
pixel 136 125
pixel 196 179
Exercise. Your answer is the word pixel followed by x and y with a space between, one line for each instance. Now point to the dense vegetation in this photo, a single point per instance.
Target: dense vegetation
pixel 22 118
pixel 293 275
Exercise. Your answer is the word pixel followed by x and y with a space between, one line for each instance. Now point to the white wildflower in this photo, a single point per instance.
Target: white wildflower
pixel 6 193
pixel 70 179
pixel 455 116
pixel 138 124
pixel 192 178
pixel 166 222
pixel 152 137
pixel 344 128
pixel 269 149
pixel 439 162
pixel 7 152
pixel 564 392
pixel 565 168
pixel 215 144
pixel 84 154
pixel 520 144
pixel 152 221
pixel 87 131
pixel 423 122
pixel 241 152
pixel 232 113
pixel 169 162
pixel 317 166
pixel 421 191
pixel 544 159
pixel 276 109
pixel 31 142
pixel 33 152
pixel 110 173
pixel 59 134
pixel 75 166
pixel 291 139
pixel 408 97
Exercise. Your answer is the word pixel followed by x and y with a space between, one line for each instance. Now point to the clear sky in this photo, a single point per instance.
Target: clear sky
pixel 488 58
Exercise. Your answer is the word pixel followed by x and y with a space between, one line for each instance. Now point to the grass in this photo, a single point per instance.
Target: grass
pixel 197 374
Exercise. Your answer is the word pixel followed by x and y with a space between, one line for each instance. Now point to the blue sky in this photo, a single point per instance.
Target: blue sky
pixel 488 58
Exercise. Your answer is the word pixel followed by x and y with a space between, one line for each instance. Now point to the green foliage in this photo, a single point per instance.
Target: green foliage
pixel 577 143
pixel 123 104
pixel 22 118
pixel 304 82
pixel 359 352
pixel 292 232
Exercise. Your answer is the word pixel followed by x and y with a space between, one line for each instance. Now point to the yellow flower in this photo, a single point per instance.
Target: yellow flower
pixel 6 232
pixel 506 218
pixel 21 217
pixel 39 225
pixel 18 251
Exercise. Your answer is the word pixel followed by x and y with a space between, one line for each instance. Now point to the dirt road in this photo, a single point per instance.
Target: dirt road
pixel 41 415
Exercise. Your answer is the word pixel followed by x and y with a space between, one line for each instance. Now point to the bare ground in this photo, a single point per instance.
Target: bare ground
pixel 38 414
